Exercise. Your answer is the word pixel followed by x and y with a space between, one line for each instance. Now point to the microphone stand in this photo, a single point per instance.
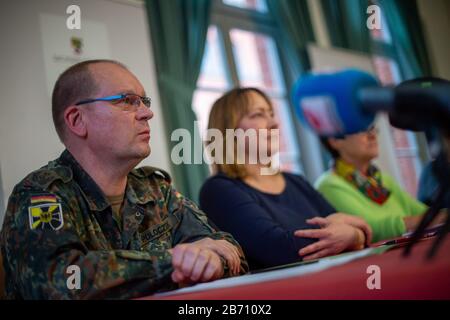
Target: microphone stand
pixel 441 199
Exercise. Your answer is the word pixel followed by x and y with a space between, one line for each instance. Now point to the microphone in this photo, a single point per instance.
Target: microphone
pixel 330 103
pixel 346 102
pixel 417 105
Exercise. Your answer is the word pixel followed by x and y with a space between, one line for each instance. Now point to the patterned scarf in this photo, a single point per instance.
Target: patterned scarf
pixel 370 185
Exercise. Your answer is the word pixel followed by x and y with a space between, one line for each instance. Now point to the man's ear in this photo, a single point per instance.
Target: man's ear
pixel 75 122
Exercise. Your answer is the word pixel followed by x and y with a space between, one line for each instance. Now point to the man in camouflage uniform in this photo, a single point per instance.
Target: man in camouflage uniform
pixel 127 233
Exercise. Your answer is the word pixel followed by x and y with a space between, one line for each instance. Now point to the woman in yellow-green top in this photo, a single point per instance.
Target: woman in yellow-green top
pixel 355 186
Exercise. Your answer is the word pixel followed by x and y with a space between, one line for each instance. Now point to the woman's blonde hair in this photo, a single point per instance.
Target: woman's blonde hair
pixel 226 113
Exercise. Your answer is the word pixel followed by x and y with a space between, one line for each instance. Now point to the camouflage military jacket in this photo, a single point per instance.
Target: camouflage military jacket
pixel 58 218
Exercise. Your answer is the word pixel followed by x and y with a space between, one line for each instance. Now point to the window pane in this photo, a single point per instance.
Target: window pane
pixel 382 34
pixel 202 103
pixel 257 61
pixel 258 5
pixel 387 70
pixel 408 158
pixel 213 74
pixel 289 154
pixel 405 143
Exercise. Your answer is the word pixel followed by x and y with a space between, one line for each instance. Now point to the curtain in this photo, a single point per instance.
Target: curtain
pixel 178 30
pixel 295 29
pixel 346 22
pixel 404 23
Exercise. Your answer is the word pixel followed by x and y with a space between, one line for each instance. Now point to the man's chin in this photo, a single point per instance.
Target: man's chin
pixel 140 154
pixel 148 152
pixel 145 152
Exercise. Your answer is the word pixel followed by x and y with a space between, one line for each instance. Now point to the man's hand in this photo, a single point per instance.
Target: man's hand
pixel 200 261
pixel 354 221
pixel 333 238
pixel 226 250
pixel 193 263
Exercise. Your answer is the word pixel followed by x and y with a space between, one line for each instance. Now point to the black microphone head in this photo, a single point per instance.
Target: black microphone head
pixel 421 103
pixel 376 99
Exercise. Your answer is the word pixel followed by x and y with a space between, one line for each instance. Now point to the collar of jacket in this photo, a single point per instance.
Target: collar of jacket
pixel 136 192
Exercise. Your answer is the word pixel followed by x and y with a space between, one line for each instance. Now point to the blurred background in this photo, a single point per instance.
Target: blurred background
pixel 187 53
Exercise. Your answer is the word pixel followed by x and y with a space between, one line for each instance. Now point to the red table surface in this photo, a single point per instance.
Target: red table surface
pixel 411 277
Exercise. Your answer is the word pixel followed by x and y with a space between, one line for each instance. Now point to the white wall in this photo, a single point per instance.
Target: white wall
pixel 27 137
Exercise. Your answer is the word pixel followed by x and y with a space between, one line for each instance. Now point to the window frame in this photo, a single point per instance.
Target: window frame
pixel 226 18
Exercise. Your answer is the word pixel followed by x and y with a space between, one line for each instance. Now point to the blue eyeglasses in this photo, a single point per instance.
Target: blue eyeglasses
pixel 128 100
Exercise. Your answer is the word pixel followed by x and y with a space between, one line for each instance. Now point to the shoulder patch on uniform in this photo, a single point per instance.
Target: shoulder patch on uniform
pixel 45 212
pixel 43 198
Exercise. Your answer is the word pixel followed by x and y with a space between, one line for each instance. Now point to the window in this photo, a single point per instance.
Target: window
pixel 405 142
pixel 241 50
pixel 213 80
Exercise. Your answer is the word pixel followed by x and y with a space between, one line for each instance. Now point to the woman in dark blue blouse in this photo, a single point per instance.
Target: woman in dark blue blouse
pixel 278 218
